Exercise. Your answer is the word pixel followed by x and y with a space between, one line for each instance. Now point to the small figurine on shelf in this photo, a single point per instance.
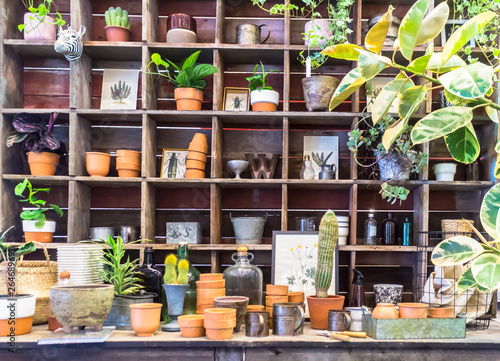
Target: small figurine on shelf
pixel 117 25
pixel 176 284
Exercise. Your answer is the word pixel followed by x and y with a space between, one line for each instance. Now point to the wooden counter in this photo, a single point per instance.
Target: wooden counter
pixel 124 345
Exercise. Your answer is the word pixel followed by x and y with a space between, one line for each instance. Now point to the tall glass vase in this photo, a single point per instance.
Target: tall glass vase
pixel 175 302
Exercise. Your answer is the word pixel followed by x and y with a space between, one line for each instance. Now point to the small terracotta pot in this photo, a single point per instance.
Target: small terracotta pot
pixel 271 300
pixel 270 310
pixel 264 107
pixel 220 324
pixel 191 325
pixel 385 311
pixel 41 237
pixel 195 164
pixel 210 292
pixel 188 98
pixel 128 173
pixel 205 300
pixel 43 163
pixel 239 303
pixel 255 308
pixel 117 33
pixel 443 312
pixel 413 310
pixel 276 290
pixel 194 174
pixel 296 297
pixel 128 154
pixel 199 143
pixel 53 323
pixel 219 334
pixel 211 277
pixel 200 309
pixel 220 314
pixel 193 155
pixel 98 164
pixel 23 326
pixel 145 318
pixel 127 164
pixel 210 284
pixel 319 307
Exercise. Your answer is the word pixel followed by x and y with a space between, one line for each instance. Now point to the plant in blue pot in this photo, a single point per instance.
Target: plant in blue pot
pixel 176 284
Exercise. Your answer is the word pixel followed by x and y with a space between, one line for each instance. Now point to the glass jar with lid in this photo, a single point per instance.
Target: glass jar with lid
pixel 244 278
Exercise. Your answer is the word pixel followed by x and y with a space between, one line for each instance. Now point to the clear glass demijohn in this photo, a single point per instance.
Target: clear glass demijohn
pixel 244 278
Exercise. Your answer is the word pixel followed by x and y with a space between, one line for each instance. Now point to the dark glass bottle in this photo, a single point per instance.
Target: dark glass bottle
pixel 389 231
pixel 152 276
pixel 193 276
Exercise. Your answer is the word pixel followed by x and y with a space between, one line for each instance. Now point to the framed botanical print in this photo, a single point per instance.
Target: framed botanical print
pixel 173 163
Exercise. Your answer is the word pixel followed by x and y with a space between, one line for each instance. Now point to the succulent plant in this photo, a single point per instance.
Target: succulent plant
pixel 328 236
pixel 120 91
pixel 117 17
pixel 175 276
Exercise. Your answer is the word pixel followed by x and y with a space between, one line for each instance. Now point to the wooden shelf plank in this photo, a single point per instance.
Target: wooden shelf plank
pixel 109 181
pixel 34 49
pixel 59 180
pixel 107 50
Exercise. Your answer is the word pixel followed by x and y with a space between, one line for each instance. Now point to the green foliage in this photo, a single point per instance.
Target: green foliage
pixel 123 276
pixel 393 193
pixel 170 277
pixel 258 81
pixel 187 75
pixel 39 14
pixel 37 214
pixel 117 17
pixel 327 241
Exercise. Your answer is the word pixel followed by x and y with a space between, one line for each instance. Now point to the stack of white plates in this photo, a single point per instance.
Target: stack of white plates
pixel 83 262
pixel 343 229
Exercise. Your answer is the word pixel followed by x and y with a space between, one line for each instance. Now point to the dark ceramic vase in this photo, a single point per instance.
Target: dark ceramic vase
pixel 318 91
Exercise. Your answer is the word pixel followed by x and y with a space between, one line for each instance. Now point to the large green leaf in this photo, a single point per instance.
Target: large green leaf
pixel 469 82
pixel 25 249
pixel 393 132
pixel 463 144
pixel 433 23
pixel 435 63
pixel 440 123
pixel 351 82
pixel 489 211
pixel 386 97
pixel 410 26
pixel 419 65
pixel 486 271
pixel 343 51
pixel 375 38
pixel 190 61
pixel 466 282
pixel 456 251
pixel 492 113
pixel 410 100
pixel 370 64
pixel 465 33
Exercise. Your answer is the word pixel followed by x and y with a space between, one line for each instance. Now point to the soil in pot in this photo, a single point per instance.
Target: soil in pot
pixel 43 163
pixel 319 307
pixel 98 164
pixel 117 33
pixel 318 91
pixel 188 98
pixel 145 318
pixel 119 315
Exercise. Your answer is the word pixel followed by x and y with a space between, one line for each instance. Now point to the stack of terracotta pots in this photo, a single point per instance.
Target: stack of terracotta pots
pixel 196 159
pixel 128 163
pixel 191 325
pixel 275 294
pixel 219 323
pixel 209 287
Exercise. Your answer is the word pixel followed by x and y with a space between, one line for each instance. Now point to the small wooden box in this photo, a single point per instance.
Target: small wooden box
pixel 189 232
pixel 414 328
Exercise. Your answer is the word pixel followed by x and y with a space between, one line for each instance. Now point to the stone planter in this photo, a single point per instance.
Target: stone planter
pixel 318 91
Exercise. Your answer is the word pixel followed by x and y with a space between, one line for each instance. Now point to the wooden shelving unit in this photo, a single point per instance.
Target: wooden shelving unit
pixel 40 81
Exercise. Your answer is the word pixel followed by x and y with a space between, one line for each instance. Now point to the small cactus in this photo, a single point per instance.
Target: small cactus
pixel 117 17
pixel 120 91
pixel 170 277
pixel 182 269
pixel 327 241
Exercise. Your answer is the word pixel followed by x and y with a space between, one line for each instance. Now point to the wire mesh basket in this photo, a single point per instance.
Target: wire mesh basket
pixel 437 286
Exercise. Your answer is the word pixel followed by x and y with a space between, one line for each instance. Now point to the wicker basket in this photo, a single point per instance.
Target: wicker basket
pixel 458 227
pixel 35 278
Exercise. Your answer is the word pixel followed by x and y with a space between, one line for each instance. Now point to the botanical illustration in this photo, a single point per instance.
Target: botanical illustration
pixel 120 91
pixel 173 163
pixel 301 277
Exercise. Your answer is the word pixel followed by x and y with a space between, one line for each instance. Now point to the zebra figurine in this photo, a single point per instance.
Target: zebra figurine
pixel 69 43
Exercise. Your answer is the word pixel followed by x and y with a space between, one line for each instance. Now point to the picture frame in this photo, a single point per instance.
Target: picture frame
pixel 322 145
pixel 236 99
pixel 119 89
pixel 294 256
pixel 173 163
pixel 448 30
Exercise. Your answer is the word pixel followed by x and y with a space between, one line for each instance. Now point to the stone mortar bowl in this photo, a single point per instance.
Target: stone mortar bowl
pixel 81 305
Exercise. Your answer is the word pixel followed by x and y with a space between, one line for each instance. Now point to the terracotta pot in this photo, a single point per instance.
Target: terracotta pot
pixel 188 98
pixel 43 163
pixel 42 235
pixel 128 154
pixel 23 326
pixel 255 308
pixel 318 91
pixel 210 292
pixel 276 290
pixel 205 300
pixel 239 303
pixel 53 323
pixel 220 314
pixel 219 334
pixel 193 155
pixel 145 318
pixel 98 164
pixel 264 107
pixel 24 311
pixel 128 173
pixel 443 312
pixel 270 310
pixel 127 164
pixel 385 311
pixel 117 33
pixel 195 164
pixel 264 100
pixel 319 307
pixel 211 277
pixel 200 309
pixel 413 310
pixel 296 297
pixel 210 284
pixel 271 300
pixel 199 143
pixel 194 174
pixel 220 324
pixel 191 325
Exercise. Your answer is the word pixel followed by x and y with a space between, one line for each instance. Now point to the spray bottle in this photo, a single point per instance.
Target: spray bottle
pixel 358 293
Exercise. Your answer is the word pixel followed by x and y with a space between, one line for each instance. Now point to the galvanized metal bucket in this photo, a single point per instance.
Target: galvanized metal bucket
pixel 248 230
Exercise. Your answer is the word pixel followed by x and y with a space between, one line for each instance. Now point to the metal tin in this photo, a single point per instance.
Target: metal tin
pixel 288 319
pixel 257 324
pixel 250 34
pixel 101 233
pixel 339 320
pixel 129 233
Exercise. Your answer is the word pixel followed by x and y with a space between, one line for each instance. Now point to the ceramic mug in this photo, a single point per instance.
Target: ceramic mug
pixel 357 317
pixel 339 320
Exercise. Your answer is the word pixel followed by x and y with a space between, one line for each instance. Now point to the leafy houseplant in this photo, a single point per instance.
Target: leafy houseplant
pixel 466 86
pixel 35 225
pixel 117 24
pixel 37 22
pixel 44 149
pixel 188 79
pixel 262 96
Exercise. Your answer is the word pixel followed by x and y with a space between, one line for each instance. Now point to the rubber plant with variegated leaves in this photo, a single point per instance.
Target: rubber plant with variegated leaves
pixel 467 86
pixel 482 258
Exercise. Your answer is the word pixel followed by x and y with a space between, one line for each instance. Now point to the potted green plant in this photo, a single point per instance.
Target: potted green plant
pixel 188 79
pixel 42 148
pixel 175 284
pixel 24 304
pixel 36 227
pixel 124 275
pixel 262 97
pixel 38 24
pixel 117 24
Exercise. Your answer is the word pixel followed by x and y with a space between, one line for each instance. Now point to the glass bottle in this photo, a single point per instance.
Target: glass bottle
pixel 407 232
pixel 151 275
pixel 244 278
pixel 307 171
pixel 193 276
pixel 370 230
pixel 389 230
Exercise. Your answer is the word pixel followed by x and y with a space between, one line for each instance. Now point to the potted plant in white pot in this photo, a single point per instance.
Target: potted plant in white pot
pixel 262 97
pixel 23 306
pixel 38 24
pixel 36 227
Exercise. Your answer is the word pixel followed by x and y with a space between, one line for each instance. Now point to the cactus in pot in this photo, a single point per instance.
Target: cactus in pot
pixel 176 284
pixel 173 276
pixel 117 24
pixel 327 241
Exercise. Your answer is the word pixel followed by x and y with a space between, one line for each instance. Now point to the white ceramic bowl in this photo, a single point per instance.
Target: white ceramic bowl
pixel 445 171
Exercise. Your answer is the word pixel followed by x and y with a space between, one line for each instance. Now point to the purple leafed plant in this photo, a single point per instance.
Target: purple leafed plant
pixel 33 131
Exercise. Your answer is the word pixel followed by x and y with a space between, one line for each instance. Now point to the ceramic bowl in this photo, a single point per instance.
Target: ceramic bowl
pixel 388 293
pixel 413 310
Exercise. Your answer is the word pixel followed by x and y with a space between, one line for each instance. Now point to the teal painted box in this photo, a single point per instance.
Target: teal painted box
pixel 413 328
